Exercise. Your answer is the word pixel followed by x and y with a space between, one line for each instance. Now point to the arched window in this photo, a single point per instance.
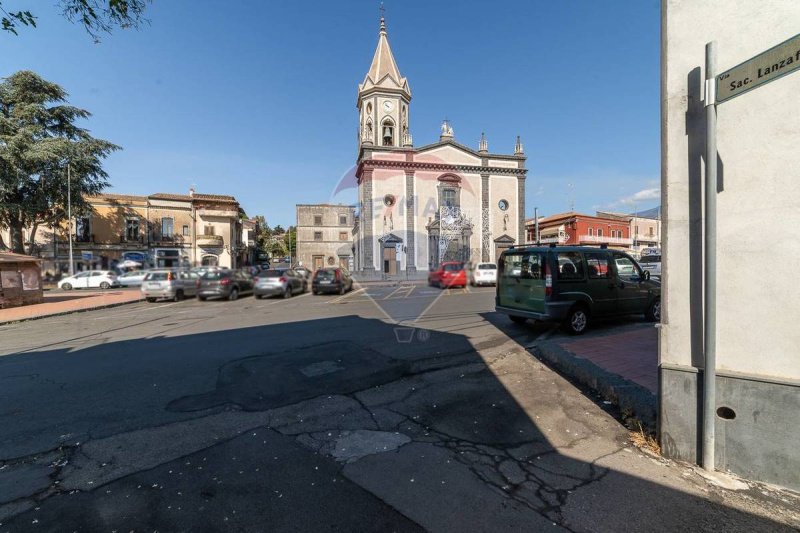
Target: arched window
pixel 591 232
pixel 599 232
pixel 387 133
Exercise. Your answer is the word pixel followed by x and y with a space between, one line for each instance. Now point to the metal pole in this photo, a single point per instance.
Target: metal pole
pixel 69 217
pixel 710 271
pixel 536 224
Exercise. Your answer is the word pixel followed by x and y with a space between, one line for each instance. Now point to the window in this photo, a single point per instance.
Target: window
pixel 523 265
pixel 317 235
pixel 342 220
pixel 570 266
pixel 342 235
pixel 599 232
pixel 626 268
pixel 636 230
pixel 597 265
pixel 650 231
pixel 208 230
pixel 449 198
pixel 388 133
pixel 591 232
pixel 317 220
pixel 185 230
pixel 132 229
pixel 82 229
pixel 167 229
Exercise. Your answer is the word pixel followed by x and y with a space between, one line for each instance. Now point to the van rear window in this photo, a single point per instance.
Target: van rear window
pixel 524 265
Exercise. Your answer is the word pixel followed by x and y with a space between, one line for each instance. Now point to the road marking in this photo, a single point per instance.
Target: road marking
pixel 352 293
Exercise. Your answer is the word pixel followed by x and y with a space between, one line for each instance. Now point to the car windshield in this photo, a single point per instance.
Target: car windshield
pixel 212 275
pixel 650 259
pixel 453 267
pixel 273 273
pixel 157 276
pixel 487 266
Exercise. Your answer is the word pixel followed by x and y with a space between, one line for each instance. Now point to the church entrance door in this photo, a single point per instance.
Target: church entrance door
pixel 389 260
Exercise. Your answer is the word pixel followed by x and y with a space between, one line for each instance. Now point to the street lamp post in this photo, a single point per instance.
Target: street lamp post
pixel 69 218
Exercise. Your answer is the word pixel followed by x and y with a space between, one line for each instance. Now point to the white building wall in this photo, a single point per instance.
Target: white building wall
pixel 758 134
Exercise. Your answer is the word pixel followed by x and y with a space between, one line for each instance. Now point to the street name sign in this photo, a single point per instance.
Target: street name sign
pixel 763 68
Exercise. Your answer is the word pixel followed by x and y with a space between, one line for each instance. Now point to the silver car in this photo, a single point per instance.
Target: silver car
pixel 169 283
pixel 132 279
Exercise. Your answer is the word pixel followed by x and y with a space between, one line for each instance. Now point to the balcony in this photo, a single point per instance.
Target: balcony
pixel 602 239
pixel 210 240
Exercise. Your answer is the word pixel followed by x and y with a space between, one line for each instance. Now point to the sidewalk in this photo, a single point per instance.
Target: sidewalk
pixel 620 363
pixel 63 302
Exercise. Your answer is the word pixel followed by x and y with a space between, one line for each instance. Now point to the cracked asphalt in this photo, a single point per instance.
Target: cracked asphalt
pixel 389 409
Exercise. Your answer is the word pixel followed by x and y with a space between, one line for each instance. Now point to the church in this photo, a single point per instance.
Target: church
pixel 421 206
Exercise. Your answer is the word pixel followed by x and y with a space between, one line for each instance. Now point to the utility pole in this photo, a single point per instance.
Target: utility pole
pixel 710 281
pixel 69 217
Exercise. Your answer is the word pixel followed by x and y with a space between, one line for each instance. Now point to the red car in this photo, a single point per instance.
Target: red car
pixel 449 274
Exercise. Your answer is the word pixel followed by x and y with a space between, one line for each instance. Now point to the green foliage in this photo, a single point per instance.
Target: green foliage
pixel 96 16
pixel 38 141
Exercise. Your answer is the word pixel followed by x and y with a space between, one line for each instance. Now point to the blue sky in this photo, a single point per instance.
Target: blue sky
pixel 257 99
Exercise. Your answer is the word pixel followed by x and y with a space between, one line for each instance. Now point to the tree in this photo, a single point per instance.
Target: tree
pixel 38 142
pixel 277 230
pixel 96 16
pixel 290 239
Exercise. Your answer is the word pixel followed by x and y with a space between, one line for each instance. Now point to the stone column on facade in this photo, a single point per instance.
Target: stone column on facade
pixel 521 213
pixel 411 218
pixel 486 232
pixel 368 246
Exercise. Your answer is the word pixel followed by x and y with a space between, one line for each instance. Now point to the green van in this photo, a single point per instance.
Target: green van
pixel 573 284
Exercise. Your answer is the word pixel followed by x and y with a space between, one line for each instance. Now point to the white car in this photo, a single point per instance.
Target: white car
pixel 132 279
pixel 91 279
pixel 483 274
pixel 652 264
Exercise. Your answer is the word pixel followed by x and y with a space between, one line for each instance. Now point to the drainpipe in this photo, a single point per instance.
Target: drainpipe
pixel 710 281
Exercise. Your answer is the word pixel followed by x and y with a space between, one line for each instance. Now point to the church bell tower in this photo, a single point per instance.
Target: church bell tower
pixel 383 101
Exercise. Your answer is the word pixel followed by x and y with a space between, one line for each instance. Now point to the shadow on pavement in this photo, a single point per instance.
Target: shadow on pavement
pixel 329 424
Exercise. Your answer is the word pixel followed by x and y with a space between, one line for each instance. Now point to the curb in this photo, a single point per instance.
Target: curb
pixel 62 313
pixel 629 396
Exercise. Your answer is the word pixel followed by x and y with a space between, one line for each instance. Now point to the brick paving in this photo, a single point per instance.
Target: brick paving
pixel 61 302
pixel 630 353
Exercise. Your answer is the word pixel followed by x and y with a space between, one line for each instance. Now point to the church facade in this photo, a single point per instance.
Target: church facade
pixel 421 206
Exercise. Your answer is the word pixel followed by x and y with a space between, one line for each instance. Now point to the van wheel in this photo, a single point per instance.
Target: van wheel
pixel 518 319
pixel 178 296
pixel 653 313
pixel 577 320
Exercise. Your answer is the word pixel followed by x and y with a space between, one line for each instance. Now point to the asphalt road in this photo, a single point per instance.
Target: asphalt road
pixel 398 408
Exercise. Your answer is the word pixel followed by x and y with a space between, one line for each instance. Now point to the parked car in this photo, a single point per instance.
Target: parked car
pixel 449 274
pixel 483 274
pixel 90 279
pixel 331 279
pixel 303 271
pixel 279 282
pixel 225 284
pixel 573 285
pixel 651 263
pixel 134 278
pixel 169 283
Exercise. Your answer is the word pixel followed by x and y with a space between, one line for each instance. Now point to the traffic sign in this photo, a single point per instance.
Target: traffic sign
pixel 86 256
pixel 763 68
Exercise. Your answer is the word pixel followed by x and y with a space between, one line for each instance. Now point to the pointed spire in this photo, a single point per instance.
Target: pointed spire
pixel 483 146
pixel 383 71
pixel 518 150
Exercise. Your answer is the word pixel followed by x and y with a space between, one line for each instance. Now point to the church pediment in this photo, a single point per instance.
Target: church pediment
pixel 505 239
pixel 448 152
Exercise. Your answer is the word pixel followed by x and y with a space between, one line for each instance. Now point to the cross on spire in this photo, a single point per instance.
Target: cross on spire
pixel 383 21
